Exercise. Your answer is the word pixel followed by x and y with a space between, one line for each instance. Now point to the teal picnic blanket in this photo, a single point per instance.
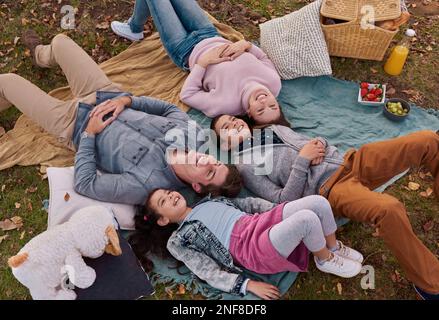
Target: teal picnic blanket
pixel 319 106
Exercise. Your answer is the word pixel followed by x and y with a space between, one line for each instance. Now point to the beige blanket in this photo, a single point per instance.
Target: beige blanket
pixel 143 69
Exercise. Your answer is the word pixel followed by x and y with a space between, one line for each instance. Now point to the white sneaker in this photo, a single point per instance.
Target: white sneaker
pixel 348 253
pixel 123 29
pixel 339 266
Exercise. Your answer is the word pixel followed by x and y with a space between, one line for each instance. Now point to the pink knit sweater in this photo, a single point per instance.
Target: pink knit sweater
pixel 225 88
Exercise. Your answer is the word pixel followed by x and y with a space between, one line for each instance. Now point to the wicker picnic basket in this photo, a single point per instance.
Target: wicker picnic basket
pixel 350 39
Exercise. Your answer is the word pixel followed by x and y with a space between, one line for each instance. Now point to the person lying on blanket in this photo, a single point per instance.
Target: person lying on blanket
pixel 124 136
pixel 214 236
pixel 303 166
pixel 225 77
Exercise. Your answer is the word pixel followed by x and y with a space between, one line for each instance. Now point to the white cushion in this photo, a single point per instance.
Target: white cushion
pixel 61 181
pixel 296 43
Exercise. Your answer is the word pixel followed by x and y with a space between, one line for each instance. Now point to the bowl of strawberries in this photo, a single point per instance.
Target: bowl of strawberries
pixel 372 94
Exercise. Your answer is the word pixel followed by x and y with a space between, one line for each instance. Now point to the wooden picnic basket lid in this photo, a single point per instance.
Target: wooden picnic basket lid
pixel 351 9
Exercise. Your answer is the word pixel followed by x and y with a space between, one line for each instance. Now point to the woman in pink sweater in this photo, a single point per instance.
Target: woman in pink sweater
pixel 225 77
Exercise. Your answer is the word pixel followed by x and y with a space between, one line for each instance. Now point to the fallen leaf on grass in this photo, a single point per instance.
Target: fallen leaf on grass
pixel 11 224
pixel 3 187
pixel 3 238
pixel 104 25
pixel 373 70
pixel 66 197
pixel 391 91
pixel 376 234
pixel 181 289
pixel 427 193
pixel 339 288
pixel 22 235
pixel 428 226
pixel 414 186
pixel 16 39
pixel 31 189
pixel 17 205
pixel 169 292
pixel 395 276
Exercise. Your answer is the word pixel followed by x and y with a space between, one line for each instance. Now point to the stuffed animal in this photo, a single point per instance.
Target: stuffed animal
pixel 46 261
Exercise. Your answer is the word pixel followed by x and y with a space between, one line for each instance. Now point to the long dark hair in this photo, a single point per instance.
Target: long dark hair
pixel 149 237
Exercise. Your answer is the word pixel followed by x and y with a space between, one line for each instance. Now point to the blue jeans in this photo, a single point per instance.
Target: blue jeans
pixel 182 24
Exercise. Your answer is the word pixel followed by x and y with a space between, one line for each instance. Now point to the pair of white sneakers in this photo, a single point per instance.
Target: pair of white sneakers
pixel 345 262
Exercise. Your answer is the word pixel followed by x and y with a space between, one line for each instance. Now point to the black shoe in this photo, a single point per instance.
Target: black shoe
pixel 425 295
pixel 31 40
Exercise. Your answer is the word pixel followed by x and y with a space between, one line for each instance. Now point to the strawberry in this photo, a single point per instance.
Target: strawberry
pixel 377 100
pixel 363 92
pixel 373 91
pixel 364 85
pixel 370 97
pixel 378 92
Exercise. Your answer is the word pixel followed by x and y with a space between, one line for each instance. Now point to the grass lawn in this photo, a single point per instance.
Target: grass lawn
pixel 23 188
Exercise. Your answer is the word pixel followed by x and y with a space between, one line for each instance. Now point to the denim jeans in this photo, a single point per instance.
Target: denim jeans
pixel 182 24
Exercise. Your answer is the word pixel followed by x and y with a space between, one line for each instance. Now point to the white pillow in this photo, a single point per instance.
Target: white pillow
pixel 61 182
pixel 296 43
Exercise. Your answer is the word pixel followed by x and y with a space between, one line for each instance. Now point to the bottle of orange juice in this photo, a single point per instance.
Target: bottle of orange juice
pixel 398 56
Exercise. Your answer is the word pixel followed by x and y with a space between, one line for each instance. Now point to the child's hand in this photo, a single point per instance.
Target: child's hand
pixel 263 290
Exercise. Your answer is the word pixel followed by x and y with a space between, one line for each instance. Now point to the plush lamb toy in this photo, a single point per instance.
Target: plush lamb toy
pixel 47 260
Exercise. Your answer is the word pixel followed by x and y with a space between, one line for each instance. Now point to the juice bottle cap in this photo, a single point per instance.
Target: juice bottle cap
pixel 410 33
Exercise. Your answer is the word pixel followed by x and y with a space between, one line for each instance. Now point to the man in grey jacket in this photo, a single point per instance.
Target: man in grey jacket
pixel 139 143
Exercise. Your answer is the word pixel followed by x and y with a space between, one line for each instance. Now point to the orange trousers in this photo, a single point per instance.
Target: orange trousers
pixel 351 196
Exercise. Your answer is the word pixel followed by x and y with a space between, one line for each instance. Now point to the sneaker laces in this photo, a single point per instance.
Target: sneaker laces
pixel 343 249
pixel 336 260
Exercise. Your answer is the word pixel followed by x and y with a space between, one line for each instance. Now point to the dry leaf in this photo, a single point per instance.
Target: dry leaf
pixel 373 70
pixel 29 206
pixel 17 205
pixel 376 234
pixel 11 224
pixel 181 289
pixel 3 238
pixel 414 186
pixel 395 276
pixel 66 197
pixel 22 235
pixel 18 221
pixel 31 189
pixel 16 39
pixel 3 187
pixel 169 292
pixel 427 193
pixel 104 25
pixel 428 226
pixel 391 91
pixel 339 288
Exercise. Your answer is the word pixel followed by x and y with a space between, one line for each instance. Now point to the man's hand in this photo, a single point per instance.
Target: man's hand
pixel 213 56
pixel 96 124
pixel 314 151
pixel 116 106
pixel 263 290
pixel 236 49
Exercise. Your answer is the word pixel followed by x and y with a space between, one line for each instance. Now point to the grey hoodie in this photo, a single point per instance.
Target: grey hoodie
pixel 277 173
